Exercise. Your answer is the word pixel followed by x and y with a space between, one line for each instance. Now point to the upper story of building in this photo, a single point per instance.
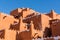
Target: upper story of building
pixel 28 15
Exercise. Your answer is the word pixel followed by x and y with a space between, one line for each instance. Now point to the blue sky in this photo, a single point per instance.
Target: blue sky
pixel 38 5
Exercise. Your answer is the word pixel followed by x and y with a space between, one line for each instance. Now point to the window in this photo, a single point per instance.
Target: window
pixel 4 17
pixel 17 16
pixel 15 23
pixel 28 26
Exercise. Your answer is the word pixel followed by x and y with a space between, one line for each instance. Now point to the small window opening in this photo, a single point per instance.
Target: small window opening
pixel 38 37
pixel 17 16
pixel 15 23
pixel 4 17
pixel 28 26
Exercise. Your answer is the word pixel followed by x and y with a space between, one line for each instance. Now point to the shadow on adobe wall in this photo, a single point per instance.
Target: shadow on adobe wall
pixel 47 32
pixel 2 34
pixel 14 26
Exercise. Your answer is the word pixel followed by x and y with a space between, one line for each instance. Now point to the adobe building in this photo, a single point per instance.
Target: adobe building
pixel 27 24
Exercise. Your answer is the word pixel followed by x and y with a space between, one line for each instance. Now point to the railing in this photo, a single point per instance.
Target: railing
pixel 48 38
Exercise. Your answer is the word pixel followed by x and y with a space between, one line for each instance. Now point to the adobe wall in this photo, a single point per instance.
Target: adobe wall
pixel 22 26
pixel 24 36
pixel 55 27
pixel 53 14
pixel 16 24
pixel 6 20
pixel 10 35
pixel 24 12
pixel 45 21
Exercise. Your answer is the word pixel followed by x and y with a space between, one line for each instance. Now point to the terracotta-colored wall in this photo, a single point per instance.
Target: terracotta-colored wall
pixel 24 12
pixel 45 21
pixel 24 35
pixel 55 26
pixel 10 35
pixel 17 28
pixel 6 20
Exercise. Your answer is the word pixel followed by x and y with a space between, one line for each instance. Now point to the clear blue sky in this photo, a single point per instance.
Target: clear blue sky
pixel 38 5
